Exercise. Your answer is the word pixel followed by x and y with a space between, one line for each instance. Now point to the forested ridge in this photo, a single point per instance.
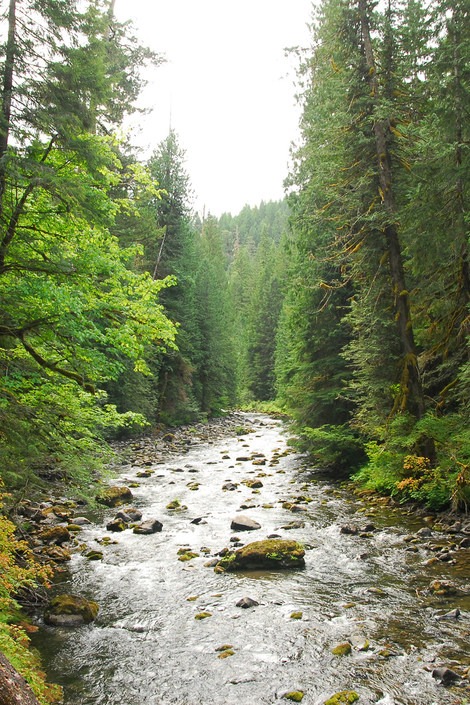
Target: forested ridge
pixel 344 306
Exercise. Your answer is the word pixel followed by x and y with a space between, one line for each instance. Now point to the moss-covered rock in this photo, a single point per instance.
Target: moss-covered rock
pixel 343 649
pixel 58 554
pixel 184 554
pixel 344 697
pixel 114 496
pixel 295 695
pixel 202 615
pixel 271 554
pixel 55 535
pixel 70 611
pixel 117 525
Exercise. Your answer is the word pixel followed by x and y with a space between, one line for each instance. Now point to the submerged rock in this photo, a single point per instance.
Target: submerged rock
pixel 243 523
pixel 70 611
pixel 270 554
pixel 453 614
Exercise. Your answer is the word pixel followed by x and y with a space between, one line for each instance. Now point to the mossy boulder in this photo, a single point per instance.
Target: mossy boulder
pixel 70 611
pixel 114 496
pixel 55 535
pixel 344 697
pixel 270 554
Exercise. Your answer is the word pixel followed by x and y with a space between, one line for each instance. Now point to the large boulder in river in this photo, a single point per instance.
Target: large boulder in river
pixel 70 611
pixel 270 554
pixel 244 523
pixel 114 496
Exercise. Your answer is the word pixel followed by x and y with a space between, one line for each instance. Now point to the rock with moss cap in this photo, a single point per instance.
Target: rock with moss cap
pixel 70 611
pixel 295 695
pixel 114 496
pixel 344 697
pixel 270 554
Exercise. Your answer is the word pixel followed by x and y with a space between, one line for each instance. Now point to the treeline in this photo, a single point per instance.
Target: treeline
pixel 373 341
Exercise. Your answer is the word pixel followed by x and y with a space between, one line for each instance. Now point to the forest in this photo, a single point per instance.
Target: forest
pixel 344 307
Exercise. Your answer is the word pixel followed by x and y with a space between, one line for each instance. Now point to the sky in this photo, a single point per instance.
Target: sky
pixel 226 88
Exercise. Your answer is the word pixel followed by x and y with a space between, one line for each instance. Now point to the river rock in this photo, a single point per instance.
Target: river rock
pixel 243 523
pixel 114 496
pixel 253 484
pixel 349 529
pixel 117 525
pixel 344 697
pixel 270 554
pixel 70 611
pixel 58 554
pixel 151 526
pixel 293 525
pixel 453 614
pixel 425 532
pixel 129 514
pixel 230 486
pixel 445 675
pixel 246 602
pixel 55 535
pixel 81 521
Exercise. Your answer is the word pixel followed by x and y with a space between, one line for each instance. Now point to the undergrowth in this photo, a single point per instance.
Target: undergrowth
pixel 18 570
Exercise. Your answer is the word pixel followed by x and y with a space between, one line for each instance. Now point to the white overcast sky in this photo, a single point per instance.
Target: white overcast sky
pixel 227 89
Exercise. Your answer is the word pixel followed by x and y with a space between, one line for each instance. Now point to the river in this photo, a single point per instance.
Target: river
pixel 370 589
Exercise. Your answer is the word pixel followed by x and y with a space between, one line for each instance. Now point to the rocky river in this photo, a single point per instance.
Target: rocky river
pixel 379 614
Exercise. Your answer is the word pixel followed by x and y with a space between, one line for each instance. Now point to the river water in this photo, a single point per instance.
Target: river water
pixel 147 648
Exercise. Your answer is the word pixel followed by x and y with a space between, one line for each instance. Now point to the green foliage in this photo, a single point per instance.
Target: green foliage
pixel 394 468
pixel 75 310
pixel 332 447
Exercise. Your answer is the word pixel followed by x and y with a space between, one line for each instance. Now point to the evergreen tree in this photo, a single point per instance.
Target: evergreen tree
pixel 215 376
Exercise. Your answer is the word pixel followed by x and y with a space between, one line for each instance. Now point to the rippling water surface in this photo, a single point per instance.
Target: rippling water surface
pixel 147 648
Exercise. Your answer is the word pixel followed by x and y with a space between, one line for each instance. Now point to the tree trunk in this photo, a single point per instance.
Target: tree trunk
pixel 14 690
pixel 411 392
pixel 7 92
